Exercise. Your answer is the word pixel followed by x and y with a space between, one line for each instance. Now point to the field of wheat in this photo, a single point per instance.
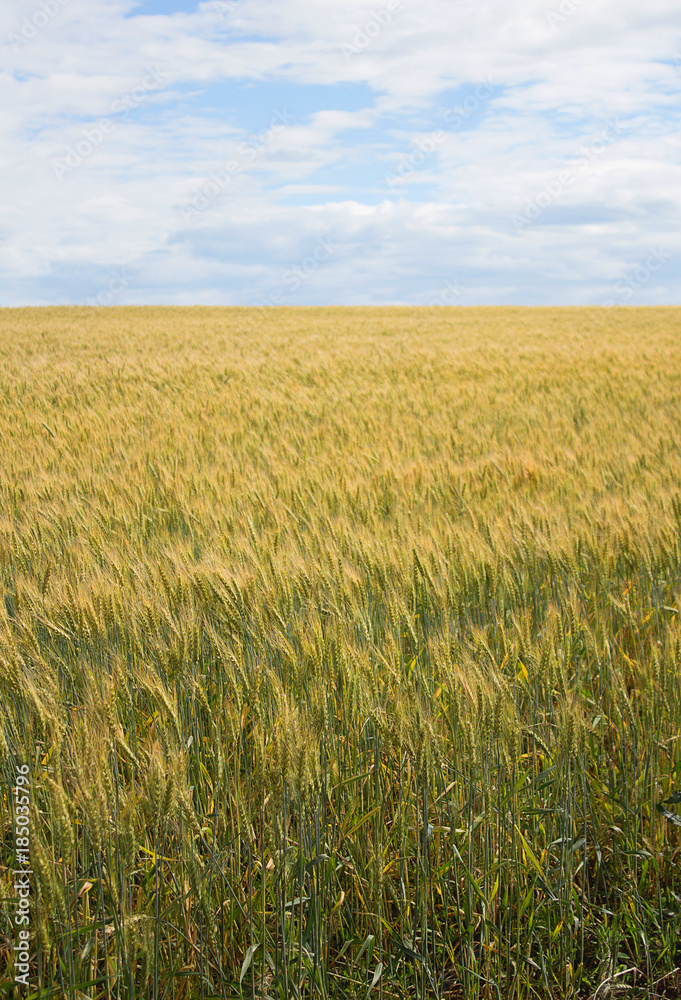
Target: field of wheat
pixel 342 650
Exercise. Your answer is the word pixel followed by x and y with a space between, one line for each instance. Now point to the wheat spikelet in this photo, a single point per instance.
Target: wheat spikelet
pixel 330 568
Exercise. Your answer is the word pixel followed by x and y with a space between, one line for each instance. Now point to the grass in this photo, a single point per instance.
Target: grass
pixel 343 647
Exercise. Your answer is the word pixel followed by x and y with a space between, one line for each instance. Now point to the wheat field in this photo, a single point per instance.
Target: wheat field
pixel 342 647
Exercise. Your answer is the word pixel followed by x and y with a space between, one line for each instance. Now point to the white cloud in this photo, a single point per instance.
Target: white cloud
pixel 323 175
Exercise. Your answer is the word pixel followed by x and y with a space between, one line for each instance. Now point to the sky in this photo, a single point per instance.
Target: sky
pixel 309 152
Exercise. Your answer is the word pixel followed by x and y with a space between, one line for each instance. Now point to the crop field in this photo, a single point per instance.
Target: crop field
pixel 340 652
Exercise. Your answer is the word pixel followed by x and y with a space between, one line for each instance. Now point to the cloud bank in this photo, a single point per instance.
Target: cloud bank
pixel 252 152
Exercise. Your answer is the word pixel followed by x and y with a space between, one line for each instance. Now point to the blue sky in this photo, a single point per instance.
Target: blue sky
pixel 305 152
